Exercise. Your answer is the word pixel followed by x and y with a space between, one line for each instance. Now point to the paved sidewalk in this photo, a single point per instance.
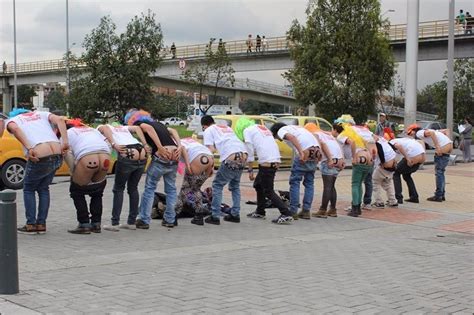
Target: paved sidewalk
pixel 416 259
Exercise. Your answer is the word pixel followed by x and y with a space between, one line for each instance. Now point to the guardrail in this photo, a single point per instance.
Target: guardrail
pixel 396 32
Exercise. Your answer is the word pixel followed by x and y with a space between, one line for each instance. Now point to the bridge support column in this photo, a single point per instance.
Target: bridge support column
pixel 6 96
pixel 236 99
pixel 411 65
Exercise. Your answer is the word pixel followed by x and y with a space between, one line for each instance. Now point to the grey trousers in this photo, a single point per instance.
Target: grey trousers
pixel 466 152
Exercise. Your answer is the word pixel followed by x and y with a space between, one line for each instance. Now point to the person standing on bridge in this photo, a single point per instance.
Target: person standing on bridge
pixel 249 43
pixel 469 23
pixel 173 51
pixel 264 43
pixel 4 67
pixel 258 44
pixel 461 18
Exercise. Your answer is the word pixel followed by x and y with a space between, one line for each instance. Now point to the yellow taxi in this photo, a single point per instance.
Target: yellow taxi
pixel 231 121
pixel 13 162
pixel 322 123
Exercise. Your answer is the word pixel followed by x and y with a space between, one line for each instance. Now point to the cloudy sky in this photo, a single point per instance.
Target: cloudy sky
pixel 41 24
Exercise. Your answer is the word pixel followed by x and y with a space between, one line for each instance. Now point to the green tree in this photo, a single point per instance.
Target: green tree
pixel 215 71
pixel 169 105
pixel 117 75
pixel 56 100
pixel 25 95
pixel 432 98
pixel 342 59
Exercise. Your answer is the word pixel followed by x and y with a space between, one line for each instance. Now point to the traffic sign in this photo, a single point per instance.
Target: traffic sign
pixel 182 64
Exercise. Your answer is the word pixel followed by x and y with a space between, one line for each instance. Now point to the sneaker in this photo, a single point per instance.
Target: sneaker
pixel 434 198
pixel 332 213
pixel 167 224
pixel 392 205
pixel 95 228
pixel 283 219
pixel 139 224
pixel 28 229
pixel 321 213
pixel 80 230
pixel 197 220
pixel 413 200
pixel 304 215
pixel 211 220
pixel 232 218
pixel 113 228
pixel 400 201
pixel 255 215
pixel 366 206
pixel 295 216
pixel 127 226
pixel 41 228
pixel 443 198
pixel 378 205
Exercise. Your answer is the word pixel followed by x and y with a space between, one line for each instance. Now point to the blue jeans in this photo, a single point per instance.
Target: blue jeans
pixel 225 176
pixel 368 186
pixel 326 170
pixel 38 177
pixel 440 161
pixel 302 171
pixel 156 170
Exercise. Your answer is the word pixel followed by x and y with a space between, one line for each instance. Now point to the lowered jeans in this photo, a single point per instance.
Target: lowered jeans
pixel 440 161
pixel 302 172
pixel 38 177
pixel 159 168
pixel 226 175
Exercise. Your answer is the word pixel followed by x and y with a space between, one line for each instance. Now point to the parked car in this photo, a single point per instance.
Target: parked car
pixel 13 162
pixel 303 120
pixel 173 121
pixel 231 120
pixel 437 125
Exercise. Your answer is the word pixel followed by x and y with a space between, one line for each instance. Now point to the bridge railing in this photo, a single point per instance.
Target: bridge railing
pixel 396 32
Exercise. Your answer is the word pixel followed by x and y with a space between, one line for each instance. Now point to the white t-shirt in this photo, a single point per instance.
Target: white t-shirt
pixel 258 138
pixel 36 127
pixel 304 137
pixel 442 138
pixel 121 135
pixel 333 146
pixel 85 140
pixel 194 148
pixel 365 133
pixel 411 146
pixel 388 153
pixel 224 139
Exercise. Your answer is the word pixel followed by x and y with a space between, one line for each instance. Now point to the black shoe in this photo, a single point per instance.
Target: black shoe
pixel 141 225
pixel 359 210
pixel 80 230
pixel 412 200
pixel 353 212
pixel 96 228
pixel 443 198
pixel 198 220
pixel 167 224
pixel 400 201
pixel 211 220
pixel 231 218
pixel 434 198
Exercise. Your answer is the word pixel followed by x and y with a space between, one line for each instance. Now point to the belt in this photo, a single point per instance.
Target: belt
pixel 51 157
pixel 269 165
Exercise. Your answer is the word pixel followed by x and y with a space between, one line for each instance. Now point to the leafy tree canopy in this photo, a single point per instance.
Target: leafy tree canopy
pixel 25 95
pixel 118 67
pixel 342 59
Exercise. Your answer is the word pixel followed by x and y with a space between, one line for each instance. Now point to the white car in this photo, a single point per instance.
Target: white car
pixel 173 121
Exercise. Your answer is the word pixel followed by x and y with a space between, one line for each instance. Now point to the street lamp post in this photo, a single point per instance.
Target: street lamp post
pixel 15 91
pixel 67 57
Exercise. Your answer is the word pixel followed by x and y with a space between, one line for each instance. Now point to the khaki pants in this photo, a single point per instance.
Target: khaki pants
pixel 383 179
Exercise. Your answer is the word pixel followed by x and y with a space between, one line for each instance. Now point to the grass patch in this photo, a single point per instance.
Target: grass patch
pixel 182 131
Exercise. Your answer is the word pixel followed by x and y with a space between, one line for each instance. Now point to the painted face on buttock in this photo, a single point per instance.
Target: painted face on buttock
pixel 92 165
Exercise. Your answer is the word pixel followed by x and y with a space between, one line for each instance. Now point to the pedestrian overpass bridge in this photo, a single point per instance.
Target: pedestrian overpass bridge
pixel 274 55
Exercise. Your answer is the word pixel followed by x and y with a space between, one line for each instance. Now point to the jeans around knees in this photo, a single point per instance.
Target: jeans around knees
pixel 383 180
pixel 368 186
pixel 264 186
pixel 157 169
pixel 38 177
pixel 127 172
pixel 93 214
pixel 224 176
pixel 404 170
pixel 301 172
pixel 441 162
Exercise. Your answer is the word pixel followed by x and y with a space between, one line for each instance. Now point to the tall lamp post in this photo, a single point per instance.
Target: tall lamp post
pixel 67 57
pixel 450 92
pixel 15 91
